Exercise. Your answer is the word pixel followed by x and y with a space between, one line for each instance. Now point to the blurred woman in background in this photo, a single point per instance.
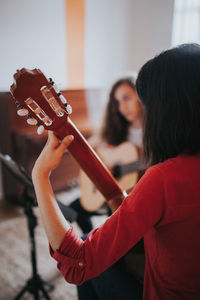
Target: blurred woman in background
pixel 120 139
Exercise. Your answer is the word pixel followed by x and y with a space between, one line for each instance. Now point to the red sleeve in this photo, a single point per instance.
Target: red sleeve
pixel 140 211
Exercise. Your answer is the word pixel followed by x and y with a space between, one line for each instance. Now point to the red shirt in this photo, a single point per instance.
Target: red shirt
pixel 164 208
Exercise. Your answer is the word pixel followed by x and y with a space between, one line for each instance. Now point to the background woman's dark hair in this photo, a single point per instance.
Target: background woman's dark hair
pixel 115 129
pixel 169 88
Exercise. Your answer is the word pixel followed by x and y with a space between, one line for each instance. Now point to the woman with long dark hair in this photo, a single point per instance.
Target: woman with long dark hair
pixel 164 206
pixel 123 119
pixel 122 123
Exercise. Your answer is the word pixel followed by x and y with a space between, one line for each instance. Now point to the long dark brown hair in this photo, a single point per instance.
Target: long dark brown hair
pixel 169 88
pixel 115 129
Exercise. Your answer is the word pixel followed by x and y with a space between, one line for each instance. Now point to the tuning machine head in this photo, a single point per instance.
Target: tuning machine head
pixel 40 129
pixel 30 120
pixel 21 110
pixel 62 98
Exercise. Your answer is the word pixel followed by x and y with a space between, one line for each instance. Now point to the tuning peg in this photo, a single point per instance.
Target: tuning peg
pixel 22 112
pixel 56 88
pixel 40 129
pixel 63 100
pixel 18 104
pixel 31 121
pixel 68 109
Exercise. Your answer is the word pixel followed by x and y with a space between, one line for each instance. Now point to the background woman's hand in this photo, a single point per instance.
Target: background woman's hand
pixel 51 155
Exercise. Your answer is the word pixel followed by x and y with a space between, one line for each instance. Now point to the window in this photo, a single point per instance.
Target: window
pixel 186 22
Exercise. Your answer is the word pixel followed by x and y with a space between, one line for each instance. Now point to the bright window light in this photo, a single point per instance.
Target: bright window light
pixel 186 22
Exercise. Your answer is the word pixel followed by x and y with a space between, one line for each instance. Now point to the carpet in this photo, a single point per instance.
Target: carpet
pixel 15 261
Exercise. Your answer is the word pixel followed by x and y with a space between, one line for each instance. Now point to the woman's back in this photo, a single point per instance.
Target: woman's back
pixel 172 247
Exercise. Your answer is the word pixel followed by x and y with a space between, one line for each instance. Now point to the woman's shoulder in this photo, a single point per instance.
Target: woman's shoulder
pixel 178 163
pixel 161 168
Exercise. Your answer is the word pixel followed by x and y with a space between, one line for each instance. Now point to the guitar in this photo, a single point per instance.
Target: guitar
pixel 119 170
pixel 40 100
pixel 124 154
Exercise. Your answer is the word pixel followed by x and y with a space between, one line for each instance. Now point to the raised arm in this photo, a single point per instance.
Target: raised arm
pixel 53 220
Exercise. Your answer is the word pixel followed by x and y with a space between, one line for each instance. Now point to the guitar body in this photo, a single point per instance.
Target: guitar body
pixel 91 199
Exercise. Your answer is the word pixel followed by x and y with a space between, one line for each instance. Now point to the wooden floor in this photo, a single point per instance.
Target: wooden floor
pixel 14 235
pixel 9 211
pixel 16 267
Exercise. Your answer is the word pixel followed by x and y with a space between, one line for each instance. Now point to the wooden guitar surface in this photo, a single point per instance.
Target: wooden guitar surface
pixel 91 199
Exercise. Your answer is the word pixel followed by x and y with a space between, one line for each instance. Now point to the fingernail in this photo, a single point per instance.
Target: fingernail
pixel 71 137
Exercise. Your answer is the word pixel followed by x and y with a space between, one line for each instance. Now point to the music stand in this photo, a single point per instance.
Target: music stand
pixel 35 283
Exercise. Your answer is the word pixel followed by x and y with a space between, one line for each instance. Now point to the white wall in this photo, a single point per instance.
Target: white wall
pixel 32 34
pixel 122 34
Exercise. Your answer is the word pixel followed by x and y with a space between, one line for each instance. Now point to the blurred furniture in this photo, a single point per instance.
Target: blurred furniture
pixel 23 144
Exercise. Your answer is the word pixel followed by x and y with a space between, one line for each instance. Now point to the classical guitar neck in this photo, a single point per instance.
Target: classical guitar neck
pixel 40 100
pixel 90 162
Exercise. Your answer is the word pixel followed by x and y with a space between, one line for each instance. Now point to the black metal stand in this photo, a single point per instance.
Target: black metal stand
pixel 35 284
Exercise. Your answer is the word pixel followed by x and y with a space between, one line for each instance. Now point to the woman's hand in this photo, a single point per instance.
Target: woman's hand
pixel 51 155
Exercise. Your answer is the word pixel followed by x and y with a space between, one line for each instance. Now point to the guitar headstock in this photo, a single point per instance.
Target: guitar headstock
pixel 39 99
